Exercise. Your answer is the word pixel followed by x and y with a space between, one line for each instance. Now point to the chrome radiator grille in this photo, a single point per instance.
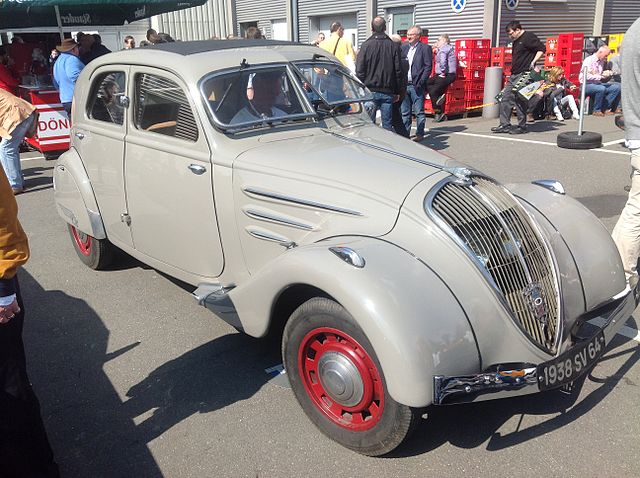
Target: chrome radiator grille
pixel 498 233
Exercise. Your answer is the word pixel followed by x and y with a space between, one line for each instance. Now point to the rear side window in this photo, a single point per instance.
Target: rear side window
pixel 162 107
pixel 107 91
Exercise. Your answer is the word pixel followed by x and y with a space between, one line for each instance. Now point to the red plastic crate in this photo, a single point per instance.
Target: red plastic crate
pixel 471 43
pixel 570 67
pixel 569 54
pixel 473 95
pixel 473 64
pixel 552 44
pixel 551 59
pixel 454 107
pixel 473 85
pixel 499 56
pixel 574 41
pixel 475 54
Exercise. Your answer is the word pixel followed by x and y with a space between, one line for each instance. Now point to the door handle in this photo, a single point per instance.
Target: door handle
pixel 197 169
pixel 79 135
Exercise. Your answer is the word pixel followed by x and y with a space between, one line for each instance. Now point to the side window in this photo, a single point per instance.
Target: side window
pixel 163 108
pixel 106 93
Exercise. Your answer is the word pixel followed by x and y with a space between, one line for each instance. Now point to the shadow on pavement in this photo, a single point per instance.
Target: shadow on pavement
pixel 37 177
pixel 438 138
pixel 471 425
pixel 90 432
pixel 207 378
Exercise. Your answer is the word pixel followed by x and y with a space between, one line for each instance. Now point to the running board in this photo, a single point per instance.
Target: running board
pixel 215 297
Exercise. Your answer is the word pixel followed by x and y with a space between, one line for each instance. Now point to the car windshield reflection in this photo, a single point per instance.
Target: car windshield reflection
pixel 255 97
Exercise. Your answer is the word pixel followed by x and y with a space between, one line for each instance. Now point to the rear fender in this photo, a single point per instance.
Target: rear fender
pixel 75 201
pixel 414 323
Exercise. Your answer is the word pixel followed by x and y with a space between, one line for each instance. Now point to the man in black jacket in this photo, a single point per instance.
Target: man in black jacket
pixel 420 59
pixel 378 67
pixel 527 50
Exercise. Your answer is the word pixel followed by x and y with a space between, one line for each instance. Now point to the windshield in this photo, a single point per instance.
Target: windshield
pixel 333 83
pixel 255 97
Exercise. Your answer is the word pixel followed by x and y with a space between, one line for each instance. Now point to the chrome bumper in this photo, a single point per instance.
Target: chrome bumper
pixel 524 381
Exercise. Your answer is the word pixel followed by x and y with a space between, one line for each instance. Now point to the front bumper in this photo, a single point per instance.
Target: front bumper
pixel 508 381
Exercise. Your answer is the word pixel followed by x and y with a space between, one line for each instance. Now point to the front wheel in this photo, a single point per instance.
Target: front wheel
pixel 94 253
pixel 336 377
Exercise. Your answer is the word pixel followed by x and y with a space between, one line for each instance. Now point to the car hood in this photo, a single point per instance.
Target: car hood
pixel 322 184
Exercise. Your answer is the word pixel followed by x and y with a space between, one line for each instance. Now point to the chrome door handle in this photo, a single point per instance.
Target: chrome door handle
pixel 79 135
pixel 197 169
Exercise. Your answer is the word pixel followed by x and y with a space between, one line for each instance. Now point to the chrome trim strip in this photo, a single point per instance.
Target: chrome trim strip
pixel 266 216
pixel 550 184
pixel 303 202
pixel 271 237
pixel 510 383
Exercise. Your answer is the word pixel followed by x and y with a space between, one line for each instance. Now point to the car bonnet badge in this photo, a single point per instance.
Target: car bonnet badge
pixel 534 296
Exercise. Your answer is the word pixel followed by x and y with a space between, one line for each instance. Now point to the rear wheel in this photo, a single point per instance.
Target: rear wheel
pixel 94 253
pixel 336 377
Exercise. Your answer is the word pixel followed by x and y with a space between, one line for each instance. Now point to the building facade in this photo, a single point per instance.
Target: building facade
pixel 302 20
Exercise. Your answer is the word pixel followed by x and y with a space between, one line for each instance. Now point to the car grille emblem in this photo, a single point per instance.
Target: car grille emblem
pixel 534 296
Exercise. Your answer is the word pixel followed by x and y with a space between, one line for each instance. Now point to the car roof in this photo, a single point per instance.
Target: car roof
pixel 194 59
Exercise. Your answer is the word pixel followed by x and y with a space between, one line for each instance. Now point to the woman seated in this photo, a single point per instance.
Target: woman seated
pixel 555 93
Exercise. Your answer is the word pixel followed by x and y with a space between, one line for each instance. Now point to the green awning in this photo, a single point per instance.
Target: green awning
pixel 83 13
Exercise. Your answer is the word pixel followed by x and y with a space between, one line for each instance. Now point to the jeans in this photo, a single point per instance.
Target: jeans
pixel 604 95
pixel 626 233
pixel 384 103
pixel 414 102
pixel 510 99
pixel 10 154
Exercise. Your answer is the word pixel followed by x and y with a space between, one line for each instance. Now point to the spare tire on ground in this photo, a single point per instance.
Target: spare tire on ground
pixel 571 140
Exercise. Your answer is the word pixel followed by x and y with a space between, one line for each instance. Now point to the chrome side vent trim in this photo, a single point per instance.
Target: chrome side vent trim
pixel 298 201
pixel 271 216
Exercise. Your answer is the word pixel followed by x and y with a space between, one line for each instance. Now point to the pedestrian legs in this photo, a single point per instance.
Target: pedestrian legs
pixel 384 103
pixel 572 104
pixel 626 233
pixel 414 103
pixel 511 99
pixel 596 91
pixel 10 154
pixel 611 96
pixel 437 86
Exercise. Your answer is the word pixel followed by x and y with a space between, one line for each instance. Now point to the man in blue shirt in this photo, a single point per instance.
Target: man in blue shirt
pixel 66 70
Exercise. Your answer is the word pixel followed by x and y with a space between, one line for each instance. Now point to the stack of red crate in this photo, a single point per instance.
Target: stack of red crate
pixel 474 56
pixel 569 55
pixel 501 56
pixel 551 55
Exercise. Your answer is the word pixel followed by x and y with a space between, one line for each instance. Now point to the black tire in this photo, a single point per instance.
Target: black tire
pixel 95 253
pixel 322 335
pixel 571 140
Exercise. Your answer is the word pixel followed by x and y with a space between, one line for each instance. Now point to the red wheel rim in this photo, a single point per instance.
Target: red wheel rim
pixel 83 241
pixel 359 415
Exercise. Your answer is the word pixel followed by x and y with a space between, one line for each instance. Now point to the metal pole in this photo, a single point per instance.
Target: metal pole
pixel 583 87
pixel 59 22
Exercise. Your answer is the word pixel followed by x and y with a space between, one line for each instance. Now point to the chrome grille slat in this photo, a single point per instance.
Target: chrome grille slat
pixel 501 236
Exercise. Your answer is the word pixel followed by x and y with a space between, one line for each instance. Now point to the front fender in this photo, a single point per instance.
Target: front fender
pixel 594 252
pixel 74 197
pixel 414 323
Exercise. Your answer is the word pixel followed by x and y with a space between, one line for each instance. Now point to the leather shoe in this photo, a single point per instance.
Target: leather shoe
pixel 417 139
pixel 598 113
pixel 518 130
pixel 609 112
pixel 17 191
pixel 530 118
pixel 501 129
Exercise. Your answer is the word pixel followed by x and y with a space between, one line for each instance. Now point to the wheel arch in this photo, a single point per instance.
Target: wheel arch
pixel 75 201
pixel 412 319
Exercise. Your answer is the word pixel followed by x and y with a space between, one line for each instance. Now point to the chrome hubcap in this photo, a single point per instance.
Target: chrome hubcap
pixel 341 379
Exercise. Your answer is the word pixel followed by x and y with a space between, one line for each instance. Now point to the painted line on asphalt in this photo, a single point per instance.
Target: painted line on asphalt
pixel 609 143
pixel 625 330
pixel 31 159
pixel 530 141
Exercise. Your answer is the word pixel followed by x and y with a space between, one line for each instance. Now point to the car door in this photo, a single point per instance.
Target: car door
pixel 100 134
pixel 168 177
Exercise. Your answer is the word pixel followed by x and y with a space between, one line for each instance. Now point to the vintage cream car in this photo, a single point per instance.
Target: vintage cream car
pixel 397 278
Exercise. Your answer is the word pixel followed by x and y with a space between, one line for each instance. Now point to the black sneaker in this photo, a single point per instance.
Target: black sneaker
pixel 440 99
pixel 518 130
pixel 501 129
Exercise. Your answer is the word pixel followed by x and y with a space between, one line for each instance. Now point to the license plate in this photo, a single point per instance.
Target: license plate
pixel 570 365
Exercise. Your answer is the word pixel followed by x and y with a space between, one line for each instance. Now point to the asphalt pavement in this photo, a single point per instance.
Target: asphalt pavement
pixel 136 380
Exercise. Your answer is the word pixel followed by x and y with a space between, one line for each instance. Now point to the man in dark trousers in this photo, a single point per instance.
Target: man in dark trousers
pixel 527 50
pixel 378 67
pixel 24 448
pixel 420 59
